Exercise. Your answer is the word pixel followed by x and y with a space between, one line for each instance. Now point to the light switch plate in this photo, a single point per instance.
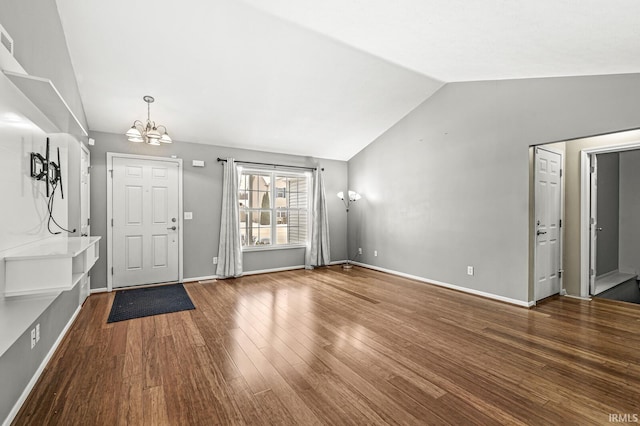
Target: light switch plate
pixel 188 215
pixel 197 163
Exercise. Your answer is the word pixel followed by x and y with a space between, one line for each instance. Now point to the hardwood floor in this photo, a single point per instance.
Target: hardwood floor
pixel 343 347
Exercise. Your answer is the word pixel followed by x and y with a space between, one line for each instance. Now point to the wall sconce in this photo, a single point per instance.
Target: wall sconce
pixel 353 197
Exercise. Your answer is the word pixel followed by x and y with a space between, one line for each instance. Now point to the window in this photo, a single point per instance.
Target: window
pixel 274 208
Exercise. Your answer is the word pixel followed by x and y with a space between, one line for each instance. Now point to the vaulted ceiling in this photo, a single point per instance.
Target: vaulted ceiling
pixel 325 78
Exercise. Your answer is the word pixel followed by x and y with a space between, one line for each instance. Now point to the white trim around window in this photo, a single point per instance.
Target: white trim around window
pixel 276 220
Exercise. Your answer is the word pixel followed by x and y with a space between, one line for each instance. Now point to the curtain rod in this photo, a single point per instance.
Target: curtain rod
pixel 224 160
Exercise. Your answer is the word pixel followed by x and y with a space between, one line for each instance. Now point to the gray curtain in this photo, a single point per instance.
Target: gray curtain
pixel 318 253
pixel 230 250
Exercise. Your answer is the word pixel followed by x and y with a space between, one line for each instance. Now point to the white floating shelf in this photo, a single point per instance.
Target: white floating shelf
pixel 49 266
pixel 46 97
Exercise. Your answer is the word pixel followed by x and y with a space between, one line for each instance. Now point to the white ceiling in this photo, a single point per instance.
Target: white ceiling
pixel 463 40
pixel 322 78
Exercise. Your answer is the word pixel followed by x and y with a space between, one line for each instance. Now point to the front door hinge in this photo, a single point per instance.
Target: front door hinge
pixel 88 221
pixel 560 172
pixel 593 169
pixel 591 271
pixel 112 270
pixel 112 222
pixel 560 273
pixel 111 172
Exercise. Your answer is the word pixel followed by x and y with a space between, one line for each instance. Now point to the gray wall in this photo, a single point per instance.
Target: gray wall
pixel 608 208
pixel 19 363
pixel 202 196
pixel 629 211
pixel 41 49
pixel 448 186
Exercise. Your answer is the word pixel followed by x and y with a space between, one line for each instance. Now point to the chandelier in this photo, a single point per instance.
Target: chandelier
pixel 149 132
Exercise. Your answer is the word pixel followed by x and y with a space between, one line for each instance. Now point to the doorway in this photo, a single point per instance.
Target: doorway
pixel 548 222
pixel 613 227
pixel 144 220
pixel 609 229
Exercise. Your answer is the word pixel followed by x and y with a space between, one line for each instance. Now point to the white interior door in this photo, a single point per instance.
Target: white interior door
pixel 547 215
pixel 593 223
pixel 145 212
pixel 85 197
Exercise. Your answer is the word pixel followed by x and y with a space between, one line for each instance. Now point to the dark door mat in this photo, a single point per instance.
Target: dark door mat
pixel 148 301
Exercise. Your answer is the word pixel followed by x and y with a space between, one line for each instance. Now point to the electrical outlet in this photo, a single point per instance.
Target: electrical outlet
pixel 33 337
pixel 469 270
pixel 360 250
pixel 375 253
pixel 37 332
pixel 215 260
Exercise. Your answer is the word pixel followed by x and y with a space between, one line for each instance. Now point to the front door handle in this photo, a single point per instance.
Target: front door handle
pixel 541 232
pixel 173 228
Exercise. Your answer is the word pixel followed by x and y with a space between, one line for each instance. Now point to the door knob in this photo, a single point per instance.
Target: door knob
pixel 173 228
pixel 541 232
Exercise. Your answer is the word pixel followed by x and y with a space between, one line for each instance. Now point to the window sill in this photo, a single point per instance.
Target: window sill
pixel 270 247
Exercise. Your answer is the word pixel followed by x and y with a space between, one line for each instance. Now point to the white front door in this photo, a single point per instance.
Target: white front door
pixel 145 212
pixel 547 216
pixel 593 223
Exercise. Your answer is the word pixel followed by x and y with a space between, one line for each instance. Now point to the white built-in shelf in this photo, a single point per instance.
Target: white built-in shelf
pixel 75 278
pixel 46 97
pixel 36 274
pixel 49 266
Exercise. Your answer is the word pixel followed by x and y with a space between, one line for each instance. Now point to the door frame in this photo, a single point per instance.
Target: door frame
pixel 561 231
pixel 110 157
pixel 83 148
pixel 585 207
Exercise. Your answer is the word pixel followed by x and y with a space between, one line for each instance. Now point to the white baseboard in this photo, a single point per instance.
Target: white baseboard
pixel 447 285
pixel 205 278
pixel 98 290
pixel 571 296
pixel 267 271
pixel 36 376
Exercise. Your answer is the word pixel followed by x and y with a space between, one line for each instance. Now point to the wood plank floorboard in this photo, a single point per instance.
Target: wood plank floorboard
pixel 333 346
